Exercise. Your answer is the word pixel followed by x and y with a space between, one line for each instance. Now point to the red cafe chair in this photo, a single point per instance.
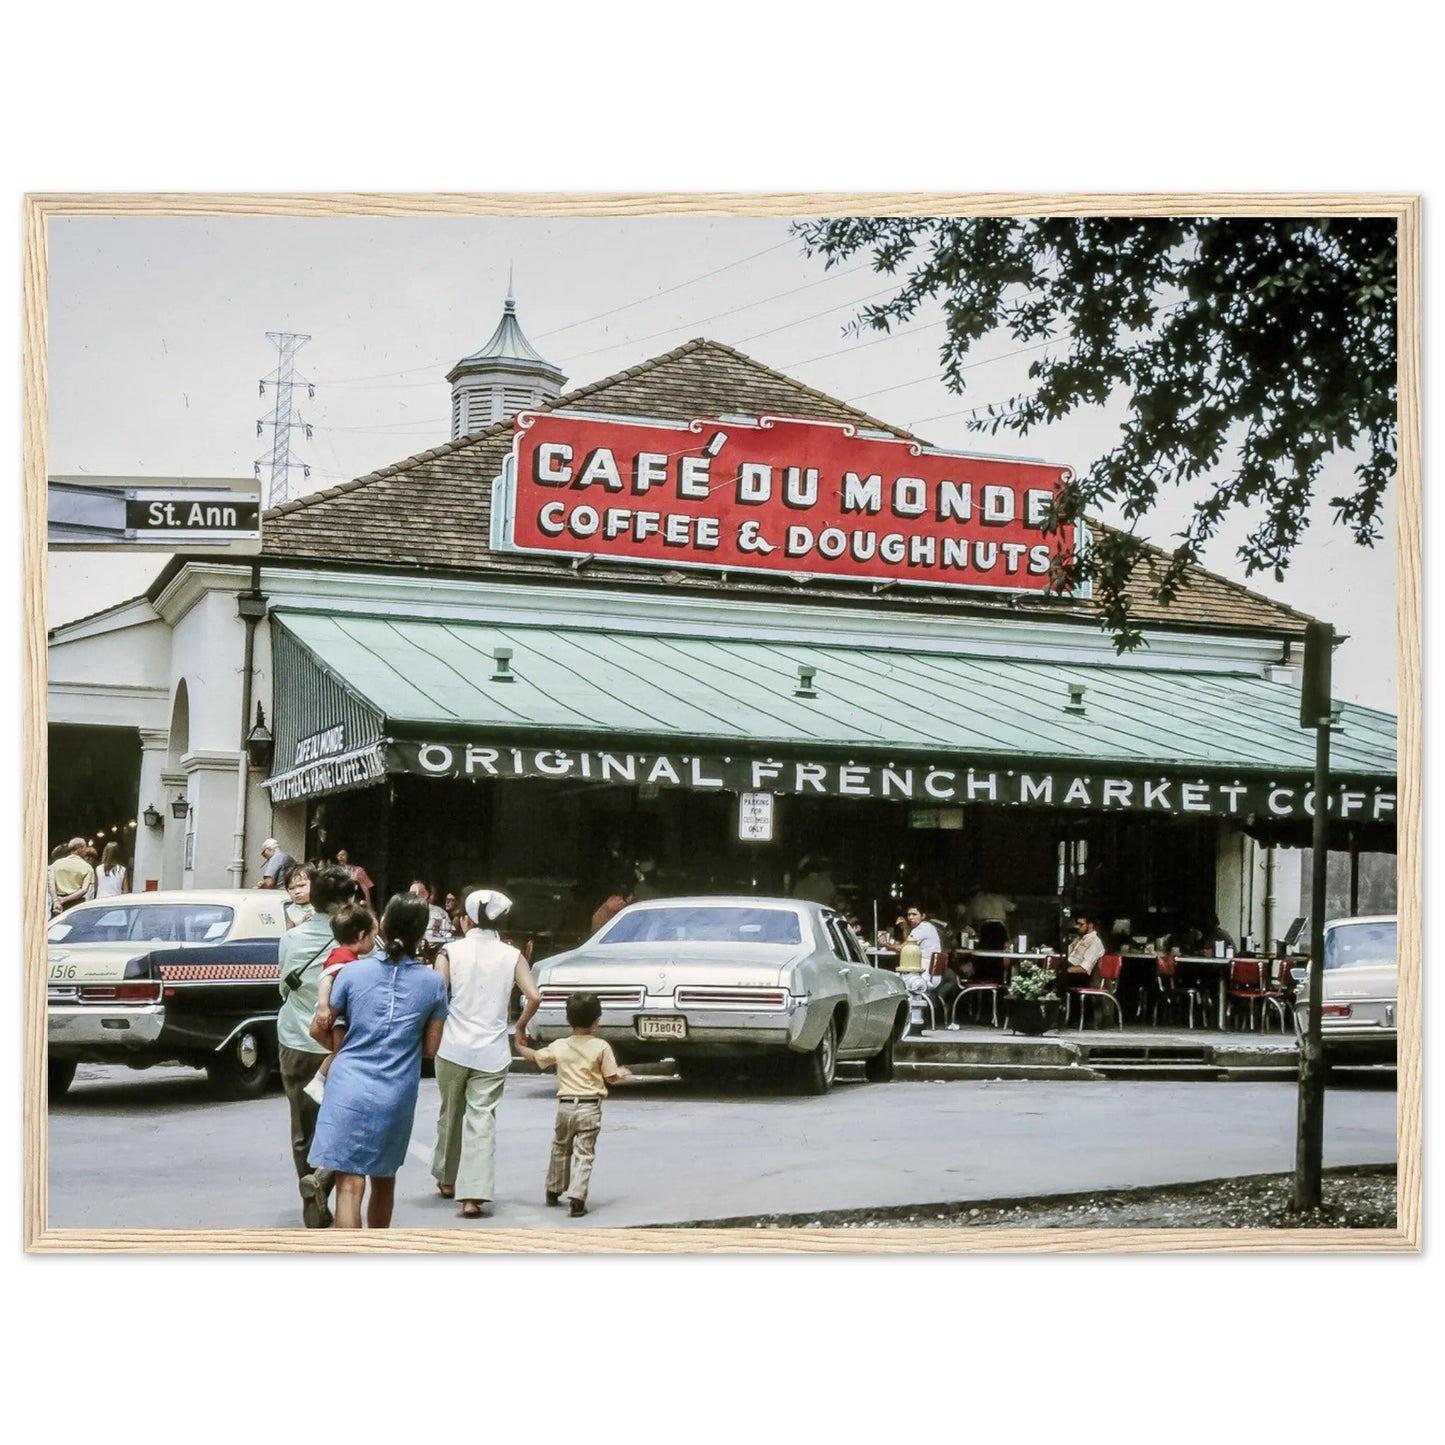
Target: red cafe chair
pixel 1247 989
pixel 1110 967
pixel 1169 992
pixel 933 981
pixel 987 978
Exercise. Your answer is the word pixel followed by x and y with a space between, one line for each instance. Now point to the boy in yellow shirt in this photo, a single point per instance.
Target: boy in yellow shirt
pixel 585 1066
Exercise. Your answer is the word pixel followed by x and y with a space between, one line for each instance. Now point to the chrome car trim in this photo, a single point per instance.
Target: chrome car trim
pixel 615 996
pixel 706 996
pixel 243 1026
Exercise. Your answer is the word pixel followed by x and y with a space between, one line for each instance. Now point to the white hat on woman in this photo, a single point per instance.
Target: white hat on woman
pixel 488 902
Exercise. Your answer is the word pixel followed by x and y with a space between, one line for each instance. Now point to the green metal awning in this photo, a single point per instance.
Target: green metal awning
pixel 418 684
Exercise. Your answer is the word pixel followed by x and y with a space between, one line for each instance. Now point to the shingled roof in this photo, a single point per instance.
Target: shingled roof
pixel 432 511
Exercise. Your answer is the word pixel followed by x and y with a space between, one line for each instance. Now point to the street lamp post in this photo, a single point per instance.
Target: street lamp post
pixel 1315 712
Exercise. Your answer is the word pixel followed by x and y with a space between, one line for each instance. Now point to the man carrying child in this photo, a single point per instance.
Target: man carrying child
pixel 302 951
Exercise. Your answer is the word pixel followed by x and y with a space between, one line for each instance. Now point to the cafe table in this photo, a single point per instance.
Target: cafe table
pixel 1009 959
pixel 1222 966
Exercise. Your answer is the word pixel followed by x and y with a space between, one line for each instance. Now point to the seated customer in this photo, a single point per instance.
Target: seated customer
pixel 1085 952
pixel 923 935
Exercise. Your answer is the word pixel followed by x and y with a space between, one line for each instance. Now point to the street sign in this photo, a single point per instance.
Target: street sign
pixel 139 514
pixel 177 515
pixel 755 817
pixel 1314 698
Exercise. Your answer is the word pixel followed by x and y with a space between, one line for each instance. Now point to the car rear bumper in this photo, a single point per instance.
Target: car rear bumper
pixel 97 1030
pixel 708 1031
pixel 1359 1040
pixel 1359 1045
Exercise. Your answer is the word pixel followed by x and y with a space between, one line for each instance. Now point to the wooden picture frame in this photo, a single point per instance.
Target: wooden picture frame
pixel 1404 209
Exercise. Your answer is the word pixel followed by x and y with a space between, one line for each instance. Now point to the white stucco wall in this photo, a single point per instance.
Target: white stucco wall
pixel 112 670
pixel 1248 898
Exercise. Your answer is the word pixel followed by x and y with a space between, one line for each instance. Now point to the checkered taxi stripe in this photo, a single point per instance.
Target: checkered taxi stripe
pixel 211 972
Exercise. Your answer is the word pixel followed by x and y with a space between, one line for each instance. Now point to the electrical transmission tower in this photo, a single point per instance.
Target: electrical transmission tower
pixel 283 421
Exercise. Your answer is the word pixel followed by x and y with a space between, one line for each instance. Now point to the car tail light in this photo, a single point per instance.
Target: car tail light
pixel 1335 1011
pixel 119 993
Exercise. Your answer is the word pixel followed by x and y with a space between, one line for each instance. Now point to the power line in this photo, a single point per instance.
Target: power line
pixel 626 306
pixel 864 345
pixel 732 311
pixel 934 376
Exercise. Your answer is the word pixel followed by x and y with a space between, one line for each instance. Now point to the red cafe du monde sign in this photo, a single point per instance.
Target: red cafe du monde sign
pixel 775 494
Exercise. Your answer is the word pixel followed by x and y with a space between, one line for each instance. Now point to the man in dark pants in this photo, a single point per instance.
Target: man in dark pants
pixel 303 952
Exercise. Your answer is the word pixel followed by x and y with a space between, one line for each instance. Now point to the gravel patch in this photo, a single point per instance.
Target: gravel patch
pixel 1354 1198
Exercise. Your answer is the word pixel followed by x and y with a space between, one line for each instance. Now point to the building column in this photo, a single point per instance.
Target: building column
pixel 208 836
pixel 146 863
pixel 172 830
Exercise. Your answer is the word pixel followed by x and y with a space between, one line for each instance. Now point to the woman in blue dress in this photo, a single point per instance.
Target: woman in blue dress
pixel 392 1009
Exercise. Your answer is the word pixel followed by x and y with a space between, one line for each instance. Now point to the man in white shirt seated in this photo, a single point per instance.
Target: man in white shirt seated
pixel 925 935
pixel 1085 952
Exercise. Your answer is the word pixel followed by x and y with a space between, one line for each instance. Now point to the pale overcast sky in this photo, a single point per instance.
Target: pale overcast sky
pixel 157 340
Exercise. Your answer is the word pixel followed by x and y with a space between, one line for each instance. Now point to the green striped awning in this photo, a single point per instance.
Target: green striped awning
pixel 425 681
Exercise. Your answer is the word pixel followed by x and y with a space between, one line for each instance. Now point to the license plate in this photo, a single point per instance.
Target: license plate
pixel 664 1026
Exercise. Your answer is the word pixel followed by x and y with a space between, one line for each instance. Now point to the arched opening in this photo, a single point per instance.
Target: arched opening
pixel 180 734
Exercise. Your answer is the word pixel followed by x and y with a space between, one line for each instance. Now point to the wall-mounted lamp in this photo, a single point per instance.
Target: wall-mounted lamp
pixel 151 817
pixel 180 806
pixel 1076 698
pixel 502 665
pixel 806 673
pixel 259 742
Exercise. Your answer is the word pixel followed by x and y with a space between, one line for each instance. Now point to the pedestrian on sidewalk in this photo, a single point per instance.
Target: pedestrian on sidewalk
pixel 72 877
pixel 110 877
pixel 302 952
pixel 354 928
pixel 479 971
pixel 358 874
pixel 585 1067
pixel 275 862
pixel 392 1009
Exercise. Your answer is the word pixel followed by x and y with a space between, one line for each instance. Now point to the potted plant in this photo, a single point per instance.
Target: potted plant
pixel 1031 1000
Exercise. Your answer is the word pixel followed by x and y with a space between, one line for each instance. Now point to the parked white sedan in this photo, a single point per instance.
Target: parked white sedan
pixel 703 980
pixel 1360 1003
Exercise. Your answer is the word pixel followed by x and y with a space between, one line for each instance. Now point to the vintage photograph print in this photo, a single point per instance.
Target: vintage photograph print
pixel 723 723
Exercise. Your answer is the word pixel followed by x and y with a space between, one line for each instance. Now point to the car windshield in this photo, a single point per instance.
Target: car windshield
pixel 705 925
pixel 144 923
pixel 1355 944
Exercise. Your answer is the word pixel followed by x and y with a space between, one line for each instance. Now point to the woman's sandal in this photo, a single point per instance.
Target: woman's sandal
pixel 447 1191
pixel 471 1209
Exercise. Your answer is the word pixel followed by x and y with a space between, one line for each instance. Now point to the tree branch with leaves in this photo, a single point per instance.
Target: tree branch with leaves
pixel 1247 350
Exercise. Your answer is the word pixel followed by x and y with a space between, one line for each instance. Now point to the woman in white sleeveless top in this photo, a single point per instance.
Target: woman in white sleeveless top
pixel 476 1050
pixel 110 876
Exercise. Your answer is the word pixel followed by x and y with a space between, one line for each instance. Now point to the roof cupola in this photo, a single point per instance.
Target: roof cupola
pixel 505 376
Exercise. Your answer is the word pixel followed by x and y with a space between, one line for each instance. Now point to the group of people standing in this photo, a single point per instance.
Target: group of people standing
pixel 360 1010
pixel 78 873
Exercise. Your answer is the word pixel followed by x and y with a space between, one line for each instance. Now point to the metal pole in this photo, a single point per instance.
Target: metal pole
pixel 1309 1146
pixel 1269 898
pixel 1354 873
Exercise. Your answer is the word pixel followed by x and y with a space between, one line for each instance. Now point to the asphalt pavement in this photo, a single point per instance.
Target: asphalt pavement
pixel 153 1150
